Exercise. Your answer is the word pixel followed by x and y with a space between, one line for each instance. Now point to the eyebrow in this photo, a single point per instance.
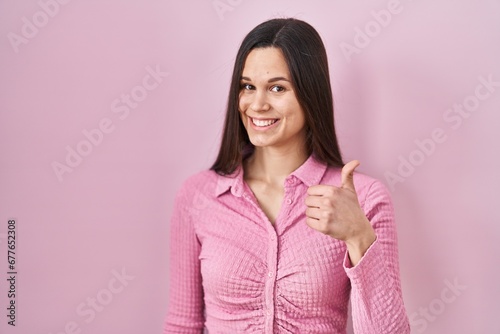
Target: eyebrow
pixel 270 80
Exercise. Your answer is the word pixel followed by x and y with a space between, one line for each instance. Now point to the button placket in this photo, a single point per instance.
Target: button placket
pixel 288 199
pixel 270 278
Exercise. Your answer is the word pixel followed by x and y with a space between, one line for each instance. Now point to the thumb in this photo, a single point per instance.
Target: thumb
pixel 347 174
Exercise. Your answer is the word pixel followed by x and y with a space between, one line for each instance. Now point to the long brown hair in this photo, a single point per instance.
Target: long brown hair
pixel 307 62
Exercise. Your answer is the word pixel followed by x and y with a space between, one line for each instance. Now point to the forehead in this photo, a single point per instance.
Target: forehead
pixel 265 62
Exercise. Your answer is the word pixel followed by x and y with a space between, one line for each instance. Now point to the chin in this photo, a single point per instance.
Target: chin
pixel 258 143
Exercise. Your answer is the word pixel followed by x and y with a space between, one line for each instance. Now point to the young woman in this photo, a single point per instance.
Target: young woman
pixel 280 234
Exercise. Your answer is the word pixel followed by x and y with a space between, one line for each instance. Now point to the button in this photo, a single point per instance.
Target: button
pixel 289 201
pixel 290 181
pixel 272 237
pixel 268 313
pixel 270 274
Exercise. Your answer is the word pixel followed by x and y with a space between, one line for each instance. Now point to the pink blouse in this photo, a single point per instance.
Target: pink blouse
pixel 232 271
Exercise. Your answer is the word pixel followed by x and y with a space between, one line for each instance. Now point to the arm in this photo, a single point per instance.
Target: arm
pixel 376 297
pixel 185 311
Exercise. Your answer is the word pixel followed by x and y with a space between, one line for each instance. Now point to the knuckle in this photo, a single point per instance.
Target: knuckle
pixel 327 214
pixel 330 191
pixel 333 191
pixel 323 228
pixel 327 202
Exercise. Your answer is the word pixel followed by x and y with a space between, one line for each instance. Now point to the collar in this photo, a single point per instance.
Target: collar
pixel 233 181
pixel 310 173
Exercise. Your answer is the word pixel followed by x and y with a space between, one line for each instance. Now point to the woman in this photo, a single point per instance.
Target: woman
pixel 279 234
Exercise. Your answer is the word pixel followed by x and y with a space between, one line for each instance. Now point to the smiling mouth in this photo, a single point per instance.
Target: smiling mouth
pixel 264 122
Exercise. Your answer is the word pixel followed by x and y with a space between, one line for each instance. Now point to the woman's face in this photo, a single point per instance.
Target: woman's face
pixel 268 106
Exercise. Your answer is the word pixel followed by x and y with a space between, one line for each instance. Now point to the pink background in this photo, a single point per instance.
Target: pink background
pixel 78 231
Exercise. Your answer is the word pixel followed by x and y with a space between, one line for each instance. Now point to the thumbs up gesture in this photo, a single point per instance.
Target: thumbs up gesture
pixel 335 211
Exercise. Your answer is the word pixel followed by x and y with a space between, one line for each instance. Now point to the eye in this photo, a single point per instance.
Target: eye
pixel 246 86
pixel 278 89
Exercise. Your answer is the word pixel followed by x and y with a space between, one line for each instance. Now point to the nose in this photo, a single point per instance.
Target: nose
pixel 259 102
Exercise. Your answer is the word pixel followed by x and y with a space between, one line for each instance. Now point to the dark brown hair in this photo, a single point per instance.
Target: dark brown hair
pixel 307 62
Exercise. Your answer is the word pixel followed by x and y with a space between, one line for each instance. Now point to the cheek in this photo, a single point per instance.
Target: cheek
pixel 241 112
pixel 297 118
pixel 243 103
pixel 302 119
pixel 293 111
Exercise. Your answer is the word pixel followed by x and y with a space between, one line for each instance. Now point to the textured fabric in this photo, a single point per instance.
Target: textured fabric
pixel 232 271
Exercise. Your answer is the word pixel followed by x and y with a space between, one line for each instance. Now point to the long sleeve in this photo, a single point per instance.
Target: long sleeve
pixel 376 296
pixel 185 311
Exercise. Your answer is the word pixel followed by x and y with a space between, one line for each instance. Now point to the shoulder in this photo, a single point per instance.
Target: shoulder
pixel 203 181
pixel 197 190
pixel 200 179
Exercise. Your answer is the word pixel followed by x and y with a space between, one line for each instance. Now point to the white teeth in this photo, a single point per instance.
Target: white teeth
pixel 259 122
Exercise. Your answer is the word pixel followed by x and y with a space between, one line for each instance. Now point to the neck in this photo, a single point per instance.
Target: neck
pixel 271 165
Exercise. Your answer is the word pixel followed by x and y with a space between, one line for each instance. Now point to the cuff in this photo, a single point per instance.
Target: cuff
pixel 369 260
